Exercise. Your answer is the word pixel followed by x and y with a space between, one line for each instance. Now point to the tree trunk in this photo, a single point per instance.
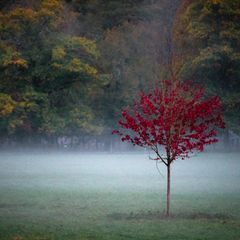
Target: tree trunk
pixel 168 189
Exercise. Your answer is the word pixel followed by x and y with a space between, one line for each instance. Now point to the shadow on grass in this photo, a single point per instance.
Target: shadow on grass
pixel 8 205
pixel 149 215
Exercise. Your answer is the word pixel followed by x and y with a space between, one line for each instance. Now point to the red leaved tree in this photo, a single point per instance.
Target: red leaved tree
pixel 172 120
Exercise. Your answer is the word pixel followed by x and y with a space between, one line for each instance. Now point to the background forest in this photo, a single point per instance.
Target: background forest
pixel 68 67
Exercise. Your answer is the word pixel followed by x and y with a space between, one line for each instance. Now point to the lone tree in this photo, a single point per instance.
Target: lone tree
pixel 172 120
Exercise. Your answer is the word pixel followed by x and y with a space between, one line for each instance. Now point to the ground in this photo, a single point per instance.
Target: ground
pixel 75 196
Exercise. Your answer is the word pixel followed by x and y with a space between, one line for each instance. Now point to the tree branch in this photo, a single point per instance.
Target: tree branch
pixel 158 154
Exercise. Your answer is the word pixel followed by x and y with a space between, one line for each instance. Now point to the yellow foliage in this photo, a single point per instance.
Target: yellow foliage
pixel 22 14
pixel 57 65
pixel 58 53
pixel 81 42
pixel 45 13
pixel 52 5
pixel 7 105
pixel 9 56
pixel 6 110
pixel 77 66
pixel 17 62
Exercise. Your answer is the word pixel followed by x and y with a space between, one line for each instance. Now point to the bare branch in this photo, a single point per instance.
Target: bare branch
pixel 158 154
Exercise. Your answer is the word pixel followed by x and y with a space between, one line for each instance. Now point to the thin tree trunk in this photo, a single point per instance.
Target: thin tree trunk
pixel 168 189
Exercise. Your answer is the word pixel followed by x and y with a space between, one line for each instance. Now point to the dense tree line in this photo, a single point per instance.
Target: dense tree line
pixel 68 67
pixel 50 78
pixel 207 42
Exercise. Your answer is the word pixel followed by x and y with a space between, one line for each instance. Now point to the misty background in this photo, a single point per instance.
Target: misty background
pixel 68 68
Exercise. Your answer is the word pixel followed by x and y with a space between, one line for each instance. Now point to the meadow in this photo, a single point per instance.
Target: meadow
pixel 96 196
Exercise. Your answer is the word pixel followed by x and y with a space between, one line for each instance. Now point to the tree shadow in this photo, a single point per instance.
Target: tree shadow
pixel 151 215
pixel 14 205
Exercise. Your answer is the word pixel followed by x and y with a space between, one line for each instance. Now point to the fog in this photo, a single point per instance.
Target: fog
pixel 202 173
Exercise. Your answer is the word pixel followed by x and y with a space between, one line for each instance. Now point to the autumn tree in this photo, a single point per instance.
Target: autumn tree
pixel 206 37
pixel 172 120
pixel 49 75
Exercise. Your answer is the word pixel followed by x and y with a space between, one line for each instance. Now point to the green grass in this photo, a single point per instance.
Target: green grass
pixel 38 205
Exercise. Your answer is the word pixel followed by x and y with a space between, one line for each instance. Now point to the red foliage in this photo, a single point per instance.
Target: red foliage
pixel 176 116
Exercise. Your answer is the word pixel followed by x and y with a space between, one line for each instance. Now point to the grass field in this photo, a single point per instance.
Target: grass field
pixel 117 196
